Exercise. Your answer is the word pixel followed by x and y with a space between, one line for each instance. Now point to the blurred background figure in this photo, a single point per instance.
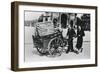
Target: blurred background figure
pixel 64 25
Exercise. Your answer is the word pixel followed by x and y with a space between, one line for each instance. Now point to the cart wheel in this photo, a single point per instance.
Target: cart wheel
pixel 38 44
pixel 55 47
pixel 41 51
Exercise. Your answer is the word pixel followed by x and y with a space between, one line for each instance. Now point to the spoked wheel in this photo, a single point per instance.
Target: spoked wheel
pixel 55 47
pixel 40 48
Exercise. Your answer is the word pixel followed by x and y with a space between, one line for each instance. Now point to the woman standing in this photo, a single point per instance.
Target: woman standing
pixel 80 34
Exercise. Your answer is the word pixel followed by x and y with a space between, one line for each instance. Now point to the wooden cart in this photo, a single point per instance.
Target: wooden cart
pixel 47 40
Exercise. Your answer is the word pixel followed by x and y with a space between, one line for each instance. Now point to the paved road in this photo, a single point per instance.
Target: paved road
pixel 32 55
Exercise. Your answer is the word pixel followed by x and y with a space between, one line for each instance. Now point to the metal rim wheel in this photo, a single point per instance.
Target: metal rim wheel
pixel 55 46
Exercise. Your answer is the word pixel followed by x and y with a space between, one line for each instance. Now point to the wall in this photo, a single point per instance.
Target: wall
pixel 5 38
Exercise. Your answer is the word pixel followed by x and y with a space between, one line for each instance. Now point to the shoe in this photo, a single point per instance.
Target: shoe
pixel 76 49
pixel 81 49
pixel 58 54
pixel 76 52
pixel 67 51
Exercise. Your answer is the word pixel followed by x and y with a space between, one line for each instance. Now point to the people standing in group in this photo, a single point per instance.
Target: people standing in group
pixel 70 28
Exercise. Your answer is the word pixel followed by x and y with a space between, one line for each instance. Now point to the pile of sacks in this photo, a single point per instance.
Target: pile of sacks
pixel 45 28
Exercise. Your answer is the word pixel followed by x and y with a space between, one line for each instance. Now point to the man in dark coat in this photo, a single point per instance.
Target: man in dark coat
pixel 71 33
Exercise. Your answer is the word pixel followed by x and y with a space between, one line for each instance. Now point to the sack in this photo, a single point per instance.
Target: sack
pixel 64 33
pixel 45 28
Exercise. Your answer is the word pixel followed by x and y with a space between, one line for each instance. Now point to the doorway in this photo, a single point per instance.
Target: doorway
pixel 63 20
